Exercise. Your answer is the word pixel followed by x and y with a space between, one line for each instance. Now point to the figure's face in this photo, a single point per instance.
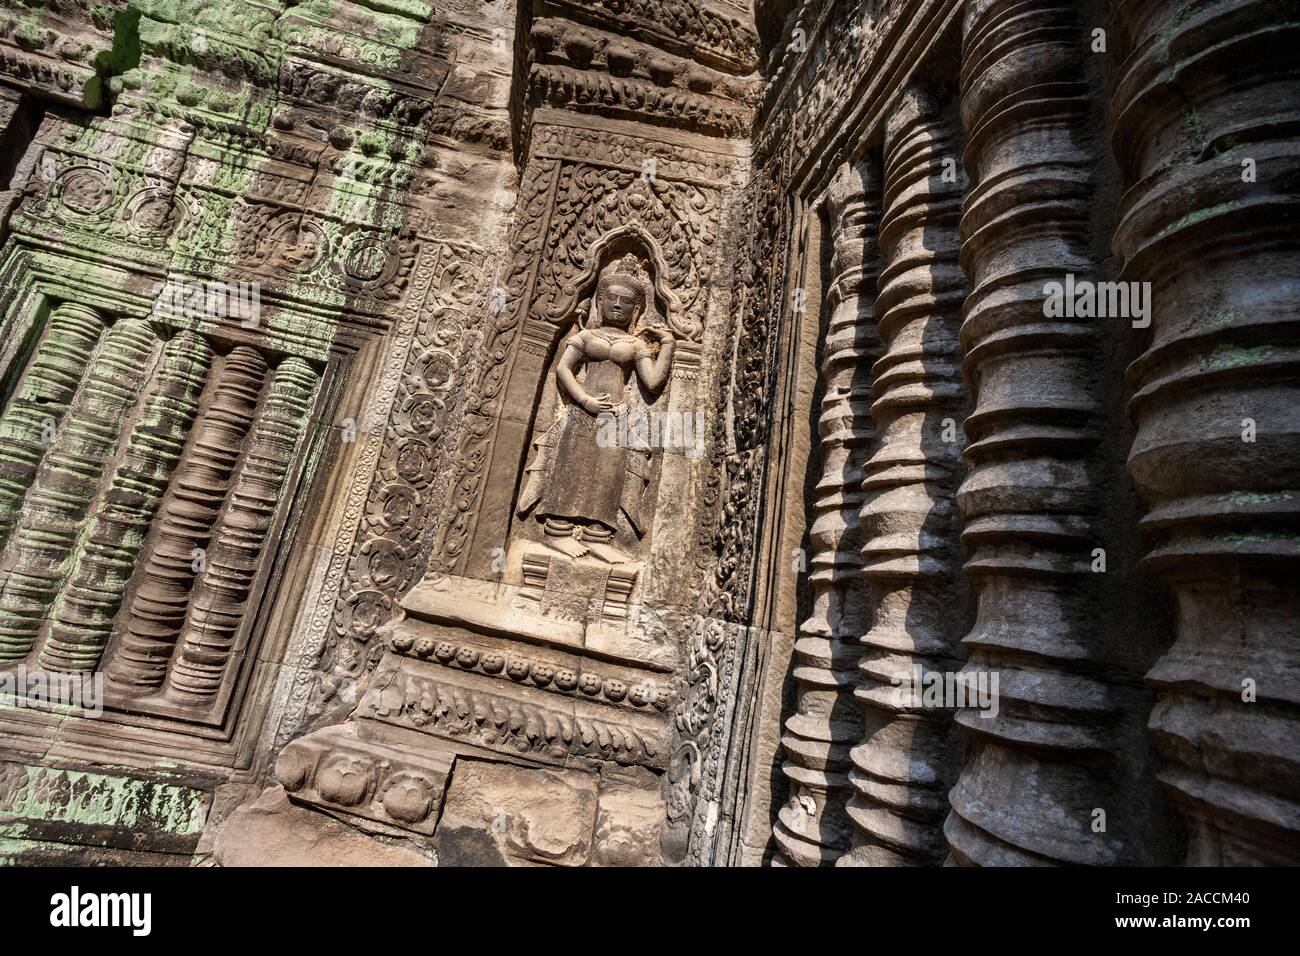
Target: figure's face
pixel 618 305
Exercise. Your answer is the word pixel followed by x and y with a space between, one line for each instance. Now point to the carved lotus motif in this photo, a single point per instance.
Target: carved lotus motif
pixel 344 779
pixel 413 460
pixel 397 505
pixel 408 797
pixel 365 612
pixel 423 414
pixel 386 564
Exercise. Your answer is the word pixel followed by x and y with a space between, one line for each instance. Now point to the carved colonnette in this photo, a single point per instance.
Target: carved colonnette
pixel 1204 127
pixel 908 756
pixel 813 827
pixel 188 516
pixel 97 579
pixel 834 72
pixel 1048 771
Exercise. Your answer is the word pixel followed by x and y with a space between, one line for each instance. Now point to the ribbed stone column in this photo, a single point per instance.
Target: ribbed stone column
pixel 97 582
pixel 812 828
pixel 221 596
pixel 186 518
pixel 1055 776
pixel 1204 120
pixel 67 482
pixel 40 402
pixel 910 750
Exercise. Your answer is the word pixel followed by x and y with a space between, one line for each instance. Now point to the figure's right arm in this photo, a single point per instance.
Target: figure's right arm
pixel 564 373
pixel 573 355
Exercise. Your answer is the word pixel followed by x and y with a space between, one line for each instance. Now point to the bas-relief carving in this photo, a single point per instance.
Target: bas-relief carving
pixel 169 182
pixel 565 207
pixel 586 482
pixel 606 310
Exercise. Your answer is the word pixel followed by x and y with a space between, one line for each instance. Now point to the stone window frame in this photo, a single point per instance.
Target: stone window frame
pixel 222 738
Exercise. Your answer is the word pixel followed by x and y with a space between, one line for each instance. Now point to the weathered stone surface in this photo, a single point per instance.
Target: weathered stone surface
pixel 271 831
pixel 628 828
pixel 501 814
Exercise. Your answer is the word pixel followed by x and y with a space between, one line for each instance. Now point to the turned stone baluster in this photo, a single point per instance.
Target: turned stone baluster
pixel 1048 775
pixel 40 403
pixel 157 609
pixel 812 828
pixel 66 484
pixel 221 596
pixel 95 586
pixel 1204 124
pixel 910 752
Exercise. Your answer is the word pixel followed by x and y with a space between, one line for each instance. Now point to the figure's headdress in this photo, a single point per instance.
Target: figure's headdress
pixel 626 270
pixel 631 271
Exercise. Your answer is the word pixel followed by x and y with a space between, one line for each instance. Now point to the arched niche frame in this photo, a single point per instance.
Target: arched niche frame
pixel 575 296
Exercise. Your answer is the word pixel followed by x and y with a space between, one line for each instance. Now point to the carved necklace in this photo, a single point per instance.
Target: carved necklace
pixel 601 333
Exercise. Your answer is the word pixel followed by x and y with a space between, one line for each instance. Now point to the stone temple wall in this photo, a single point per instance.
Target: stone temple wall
pixel 944 514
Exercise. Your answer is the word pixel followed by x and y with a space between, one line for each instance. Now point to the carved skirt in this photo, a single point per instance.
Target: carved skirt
pixel 586 480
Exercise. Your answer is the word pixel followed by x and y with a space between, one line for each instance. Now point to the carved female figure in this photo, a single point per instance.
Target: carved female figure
pixel 579 481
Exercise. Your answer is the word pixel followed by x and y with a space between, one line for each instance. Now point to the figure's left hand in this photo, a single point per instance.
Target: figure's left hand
pixel 662 333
